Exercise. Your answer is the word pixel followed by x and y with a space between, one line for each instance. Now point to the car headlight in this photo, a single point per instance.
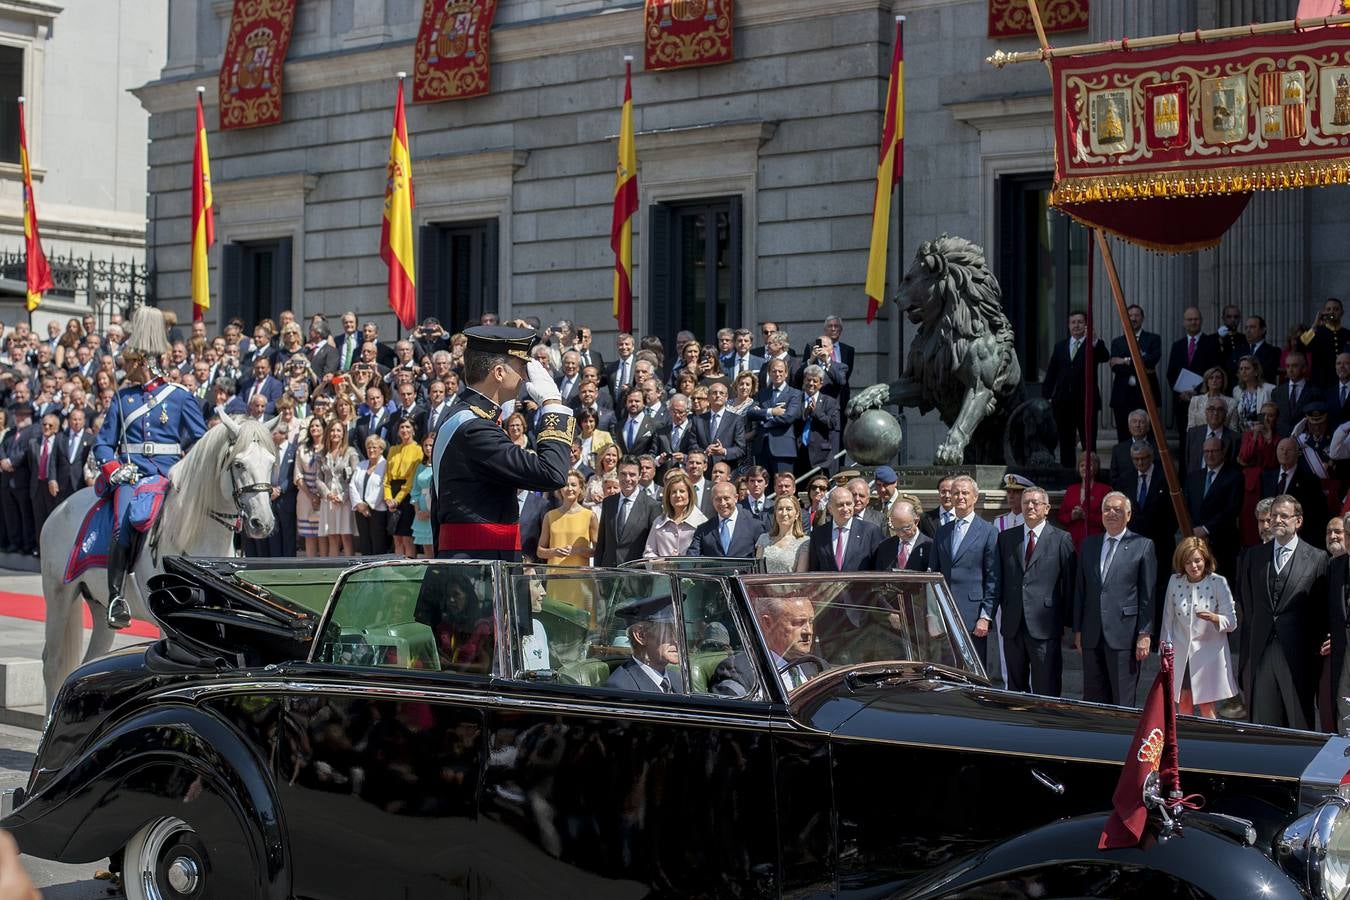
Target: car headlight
pixel 1315 849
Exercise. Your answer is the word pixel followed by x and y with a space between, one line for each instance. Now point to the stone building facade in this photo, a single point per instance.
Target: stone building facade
pixel 756 177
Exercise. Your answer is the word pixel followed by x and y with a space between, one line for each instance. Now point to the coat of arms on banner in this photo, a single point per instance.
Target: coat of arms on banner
pixel 1223 109
pixel 451 53
pixel 1112 123
pixel 251 70
pixel 1167 116
pixel 1283 105
pixel 1334 100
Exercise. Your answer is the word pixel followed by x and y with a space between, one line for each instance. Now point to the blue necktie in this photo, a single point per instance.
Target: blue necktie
pixel 806 426
pixel 726 536
pixel 632 432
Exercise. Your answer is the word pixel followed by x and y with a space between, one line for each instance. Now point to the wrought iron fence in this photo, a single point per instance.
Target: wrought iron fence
pixel 105 284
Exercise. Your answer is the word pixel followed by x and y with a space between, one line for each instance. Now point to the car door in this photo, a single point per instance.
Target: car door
pixel 595 787
pixel 382 741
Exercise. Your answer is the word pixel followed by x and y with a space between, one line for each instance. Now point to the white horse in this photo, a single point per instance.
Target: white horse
pixel 226 474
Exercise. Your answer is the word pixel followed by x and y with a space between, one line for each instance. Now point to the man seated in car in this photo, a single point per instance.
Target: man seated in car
pixel 788 626
pixel 652 633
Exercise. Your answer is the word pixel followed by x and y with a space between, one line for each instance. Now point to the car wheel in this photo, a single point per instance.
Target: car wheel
pixel 166 860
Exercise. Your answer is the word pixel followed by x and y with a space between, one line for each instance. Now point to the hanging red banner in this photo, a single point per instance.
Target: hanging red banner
pixel 1198 127
pixel 452 51
pixel 1012 18
pixel 683 33
pixel 250 72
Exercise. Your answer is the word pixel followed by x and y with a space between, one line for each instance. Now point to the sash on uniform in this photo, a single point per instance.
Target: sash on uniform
pixel 443 437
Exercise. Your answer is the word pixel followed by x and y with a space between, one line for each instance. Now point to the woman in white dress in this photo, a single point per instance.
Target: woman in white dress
pixel 1214 385
pixel 336 467
pixel 673 530
pixel 784 547
pixel 1197 616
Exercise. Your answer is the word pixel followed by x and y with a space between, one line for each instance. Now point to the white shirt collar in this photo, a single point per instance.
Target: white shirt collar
pixel 633 496
pixel 1037 530
pixel 651 673
pixel 967 519
pixel 730 520
pixel 1292 545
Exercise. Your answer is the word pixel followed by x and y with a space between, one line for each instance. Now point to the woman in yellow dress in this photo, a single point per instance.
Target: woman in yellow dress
pixel 567 538
pixel 404 459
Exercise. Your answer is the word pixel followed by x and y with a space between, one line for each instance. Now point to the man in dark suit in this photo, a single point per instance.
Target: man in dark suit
pixel 582 345
pixel 965 551
pixel 1126 394
pixel 696 466
pixel 1293 396
pixel 1113 606
pixel 18 475
pixel 322 355
pixel 1038 570
pixel 262 382
pixel 776 409
pixel 818 437
pixel 281 542
pixel 625 518
pixel 1216 411
pixel 941 514
pixel 1152 515
pixel 1214 501
pixel 720 432
pixel 533 506
pixel 679 436
pixel 569 379
pixel 1065 387
pixel 731 532
pixel 1283 592
pixel 1195 352
pixel 72 451
pixel 1138 430
pixel 845 543
pixel 588 398
pixel 1328 339
pixel 348 342
pixel 741 359
pixel 40 459
pixel 438 405
pixel 840 357
pixel 1292 476
pixel 409 410
pixel 654 667
pixel 788 626
pixel 908 548
pixel 1265 354
pixel 619 374
pixel 1338 393
pixel 375 422
pixel 638 434
pixel 1231 342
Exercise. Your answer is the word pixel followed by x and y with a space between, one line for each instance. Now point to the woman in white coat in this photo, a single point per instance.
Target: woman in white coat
pixel 1197 616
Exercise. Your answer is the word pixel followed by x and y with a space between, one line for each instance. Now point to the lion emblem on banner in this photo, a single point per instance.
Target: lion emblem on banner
pixel 961 361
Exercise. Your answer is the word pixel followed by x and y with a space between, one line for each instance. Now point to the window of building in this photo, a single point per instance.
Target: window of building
pixel 1042 268
pixel 11 89
pixel 457 272
pixel 694 262
pixel 256 279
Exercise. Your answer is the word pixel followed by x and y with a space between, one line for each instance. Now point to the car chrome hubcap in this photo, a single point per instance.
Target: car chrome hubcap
pixel 182 875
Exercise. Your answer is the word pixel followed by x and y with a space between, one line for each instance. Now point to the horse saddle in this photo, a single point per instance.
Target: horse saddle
pixel 99 528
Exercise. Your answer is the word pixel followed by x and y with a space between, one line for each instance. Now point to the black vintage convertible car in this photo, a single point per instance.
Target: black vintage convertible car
pixel 683 729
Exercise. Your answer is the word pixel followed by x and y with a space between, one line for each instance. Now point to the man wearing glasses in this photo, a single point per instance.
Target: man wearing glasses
pixel 1038 570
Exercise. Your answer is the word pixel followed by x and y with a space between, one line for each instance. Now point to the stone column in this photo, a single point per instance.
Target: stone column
pixel 368 23
pixel 183 16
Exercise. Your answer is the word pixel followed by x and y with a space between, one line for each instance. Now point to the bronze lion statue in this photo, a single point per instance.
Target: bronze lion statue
pixel 961 361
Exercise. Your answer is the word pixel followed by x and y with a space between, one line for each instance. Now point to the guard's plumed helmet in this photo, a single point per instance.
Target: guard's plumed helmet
pixel 147 334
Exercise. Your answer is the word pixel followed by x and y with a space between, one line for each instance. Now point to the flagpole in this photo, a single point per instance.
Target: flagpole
pixel 900 265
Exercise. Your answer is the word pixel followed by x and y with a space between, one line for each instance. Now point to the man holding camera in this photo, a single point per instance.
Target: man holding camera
pixel 1324 342
pixel 429 337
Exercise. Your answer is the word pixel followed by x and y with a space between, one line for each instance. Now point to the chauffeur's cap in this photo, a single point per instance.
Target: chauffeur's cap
pixel 500 339
pixel 646 609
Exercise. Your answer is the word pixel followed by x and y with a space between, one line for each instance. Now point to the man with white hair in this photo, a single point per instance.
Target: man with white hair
pixel 965 551
pixel 1037 571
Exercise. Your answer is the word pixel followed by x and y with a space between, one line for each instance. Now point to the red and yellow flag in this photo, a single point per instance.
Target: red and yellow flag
pixel 396 234
pixel 625 205
pixel 890 170
pixel 39 274
pixel 203 219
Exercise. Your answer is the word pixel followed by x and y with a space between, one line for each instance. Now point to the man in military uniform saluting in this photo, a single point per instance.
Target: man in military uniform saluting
pixel 149 426
pixel 475 466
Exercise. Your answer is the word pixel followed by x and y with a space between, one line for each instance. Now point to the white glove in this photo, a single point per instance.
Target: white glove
pixel 125 474
pixel 539 385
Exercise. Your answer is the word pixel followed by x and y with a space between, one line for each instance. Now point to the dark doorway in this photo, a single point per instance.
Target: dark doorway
pixel 255 280
pixel 457 272
pixel 694 255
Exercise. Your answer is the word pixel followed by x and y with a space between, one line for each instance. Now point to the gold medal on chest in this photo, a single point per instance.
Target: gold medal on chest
pixel 163 416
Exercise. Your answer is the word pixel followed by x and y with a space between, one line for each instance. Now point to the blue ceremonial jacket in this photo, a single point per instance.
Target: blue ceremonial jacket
pixel 176 419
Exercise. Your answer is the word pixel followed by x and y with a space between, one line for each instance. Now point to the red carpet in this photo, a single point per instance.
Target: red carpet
pixel 33 608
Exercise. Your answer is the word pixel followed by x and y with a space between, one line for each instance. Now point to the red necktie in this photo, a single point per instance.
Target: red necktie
pixel 903 556
pixel 839 551
pixel 1031 548
pixel 1190 352
pixel 42 459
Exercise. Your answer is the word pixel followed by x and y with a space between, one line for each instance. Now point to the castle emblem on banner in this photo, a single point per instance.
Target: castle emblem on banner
pixel 1335 99
pixel 250 72
pixel 451 54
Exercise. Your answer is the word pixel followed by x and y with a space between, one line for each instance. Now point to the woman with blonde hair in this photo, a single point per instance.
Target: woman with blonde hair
pixel 607 461
pixel 336 465
pixel 404 459
pixel 366 491
pixel 784 546
pixel 673 530
pixel 1215 385
pixel 308 497
pixel 1198 613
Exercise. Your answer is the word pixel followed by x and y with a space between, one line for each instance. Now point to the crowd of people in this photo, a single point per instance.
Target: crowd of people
pixel 707 451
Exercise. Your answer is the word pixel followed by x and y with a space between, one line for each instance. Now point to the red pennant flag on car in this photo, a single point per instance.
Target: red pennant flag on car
pixel 1152 750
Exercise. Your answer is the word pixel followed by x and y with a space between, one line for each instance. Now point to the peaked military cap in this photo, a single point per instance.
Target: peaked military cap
pixel 501 339
pixel 646 609
pixel 1316 411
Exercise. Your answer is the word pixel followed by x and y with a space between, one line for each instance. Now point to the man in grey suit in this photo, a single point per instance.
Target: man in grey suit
pixel 965 551
pixel 731 532
pixel 1038 566
pixel 625 519
pixel 1283 591
pixel 1216 411
pixel 655 665
pixel 1113 616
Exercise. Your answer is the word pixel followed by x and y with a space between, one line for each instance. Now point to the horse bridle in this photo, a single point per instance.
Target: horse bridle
pixel 235 522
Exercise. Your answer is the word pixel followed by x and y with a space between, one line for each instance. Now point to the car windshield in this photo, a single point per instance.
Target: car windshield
pixel 812 624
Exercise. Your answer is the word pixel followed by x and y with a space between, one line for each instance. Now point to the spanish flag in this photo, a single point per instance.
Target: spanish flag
pixel 625 205
pixel 396 236
pixel 203 219
pixel 890 170
pixel 39 274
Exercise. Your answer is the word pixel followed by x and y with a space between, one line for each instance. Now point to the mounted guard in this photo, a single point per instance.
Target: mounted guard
pixel 150 425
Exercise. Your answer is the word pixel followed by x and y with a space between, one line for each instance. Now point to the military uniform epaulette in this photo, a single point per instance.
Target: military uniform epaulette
pixel 482 413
